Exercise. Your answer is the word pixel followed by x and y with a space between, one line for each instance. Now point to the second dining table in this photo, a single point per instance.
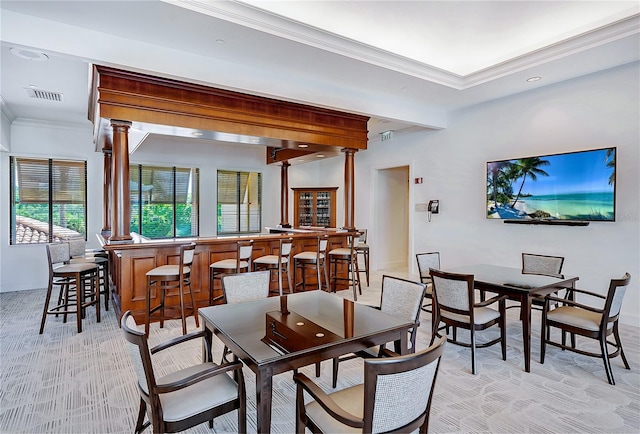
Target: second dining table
pixel 279 334
pixel 518 286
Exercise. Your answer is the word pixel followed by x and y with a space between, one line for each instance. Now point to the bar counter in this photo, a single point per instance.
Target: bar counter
pixel 130 263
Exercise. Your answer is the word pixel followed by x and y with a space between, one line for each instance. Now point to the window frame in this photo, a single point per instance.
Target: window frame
pixel 138 200
pixel 53 234
pixel 238 202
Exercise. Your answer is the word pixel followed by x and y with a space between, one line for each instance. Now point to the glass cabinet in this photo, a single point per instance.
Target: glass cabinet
pixel 315 206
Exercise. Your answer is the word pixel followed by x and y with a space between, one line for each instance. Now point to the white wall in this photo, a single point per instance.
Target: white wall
pixel 25 266
pixel 589 112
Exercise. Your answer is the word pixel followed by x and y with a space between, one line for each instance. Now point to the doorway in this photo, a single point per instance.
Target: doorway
pixel 391 211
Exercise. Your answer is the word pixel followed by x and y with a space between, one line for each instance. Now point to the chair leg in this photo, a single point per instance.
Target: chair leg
pixel 291 287
pixel 335 364
pixel 79 301
pixel 473 352
pixel 317 369
pixel 46 305
pixel 366 264
pixel 280 278
pixel 182 316
pixel 616 335
pixel 140 425
pixel 605 359
pixel 194 306
pixel 300 417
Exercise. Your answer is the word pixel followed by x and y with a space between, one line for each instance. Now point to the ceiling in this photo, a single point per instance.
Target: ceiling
pixel 404 63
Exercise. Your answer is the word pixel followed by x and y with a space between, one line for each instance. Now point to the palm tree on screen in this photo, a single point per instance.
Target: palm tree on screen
pixel 611 162
pixel 530 167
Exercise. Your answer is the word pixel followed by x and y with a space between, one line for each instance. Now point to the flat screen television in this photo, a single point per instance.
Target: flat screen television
pixel 575 186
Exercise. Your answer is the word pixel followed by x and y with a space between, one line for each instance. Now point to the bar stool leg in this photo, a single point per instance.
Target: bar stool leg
pixel 79 301
pixel 46 305
pixel 184 319
pixel 148 313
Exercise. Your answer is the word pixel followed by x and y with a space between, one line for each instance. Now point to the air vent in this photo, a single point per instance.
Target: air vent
pixel 44 94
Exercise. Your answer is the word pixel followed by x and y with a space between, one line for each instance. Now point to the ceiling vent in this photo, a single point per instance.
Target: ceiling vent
pixel 44 94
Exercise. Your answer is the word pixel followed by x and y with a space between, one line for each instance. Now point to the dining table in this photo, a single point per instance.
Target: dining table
pixel 283 333
pixel 517 286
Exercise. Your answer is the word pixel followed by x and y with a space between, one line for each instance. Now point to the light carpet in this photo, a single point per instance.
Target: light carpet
pixel 64 382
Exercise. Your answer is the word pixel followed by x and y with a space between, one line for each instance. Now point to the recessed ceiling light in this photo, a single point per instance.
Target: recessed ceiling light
pixel 28 54
pixel 531 79
pixel 302 145
pixel 220 41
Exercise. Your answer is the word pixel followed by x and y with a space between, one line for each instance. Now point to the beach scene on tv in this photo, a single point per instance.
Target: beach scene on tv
pixel 573 186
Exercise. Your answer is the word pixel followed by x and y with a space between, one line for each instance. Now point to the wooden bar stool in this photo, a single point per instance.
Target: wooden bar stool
pixel 346 255
pixel 312 258
pixel 279 262
pixel 242 262
pixel 167 277
pixel 79 253
pixel 76 281
pixel 363 249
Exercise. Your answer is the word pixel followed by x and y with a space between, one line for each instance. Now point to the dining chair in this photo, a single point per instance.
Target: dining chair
pixel 244 287
pixel 186 397
pixel 400 298
pixel 454 304
pixel 426 261
pixel 242 262
pixel 167 278
pixel 280 263
pixel 546 266
pixel 589 321
pixel 312 258
pixel 396 396
pixel 348 257
pixel 362 249
pixel 77 282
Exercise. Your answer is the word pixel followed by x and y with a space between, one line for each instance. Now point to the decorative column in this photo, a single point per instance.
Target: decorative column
pixel 121 199
pixel 349 188
pixel 284 194
pixel 106 192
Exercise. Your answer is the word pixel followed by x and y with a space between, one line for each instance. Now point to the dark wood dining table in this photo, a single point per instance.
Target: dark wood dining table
pixel 518 286
pixel 279 334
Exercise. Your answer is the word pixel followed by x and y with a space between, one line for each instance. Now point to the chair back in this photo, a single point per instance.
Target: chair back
pixel 138 348
pixel 453 293
pixel 245 249
pixel 238 288
pixel 401 298
pixel 542 264
pixel 363 236
pixel 285 248
pixel 77 247
pixel 399 390
pixel 323 243
pixel 187 252
pixel 354 240
pixel 427 261
pixel 617 289
pixel 57 253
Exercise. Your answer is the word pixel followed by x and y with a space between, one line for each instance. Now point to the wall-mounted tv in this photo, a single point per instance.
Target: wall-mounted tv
pixel 578 186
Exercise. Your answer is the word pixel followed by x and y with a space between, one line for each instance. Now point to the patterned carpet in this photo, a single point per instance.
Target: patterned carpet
pixel 64 382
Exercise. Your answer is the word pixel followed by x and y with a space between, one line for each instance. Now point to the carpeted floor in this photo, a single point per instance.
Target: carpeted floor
pixel 64 382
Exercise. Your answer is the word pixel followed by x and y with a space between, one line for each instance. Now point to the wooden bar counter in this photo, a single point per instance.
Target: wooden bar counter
pixel 131 262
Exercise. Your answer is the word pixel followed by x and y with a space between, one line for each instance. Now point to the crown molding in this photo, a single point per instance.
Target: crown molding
pixel 276 25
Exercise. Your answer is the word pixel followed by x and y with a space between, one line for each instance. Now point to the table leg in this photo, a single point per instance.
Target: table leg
pixel 264 386
pixel 525 310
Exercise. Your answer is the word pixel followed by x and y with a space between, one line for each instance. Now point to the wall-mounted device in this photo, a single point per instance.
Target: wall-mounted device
pixel 433 208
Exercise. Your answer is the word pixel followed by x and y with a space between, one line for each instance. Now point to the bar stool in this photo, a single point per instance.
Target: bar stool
pixel 312 258
pixel 346 255
pixel 167 277
pixel 241 262
pixel 73 280
pixel 363 249
pixel 79 253
pixel 277 262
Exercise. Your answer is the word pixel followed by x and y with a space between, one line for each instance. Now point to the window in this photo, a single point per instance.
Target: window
pixel 239 202
pixel 164 201
pixel 48 199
